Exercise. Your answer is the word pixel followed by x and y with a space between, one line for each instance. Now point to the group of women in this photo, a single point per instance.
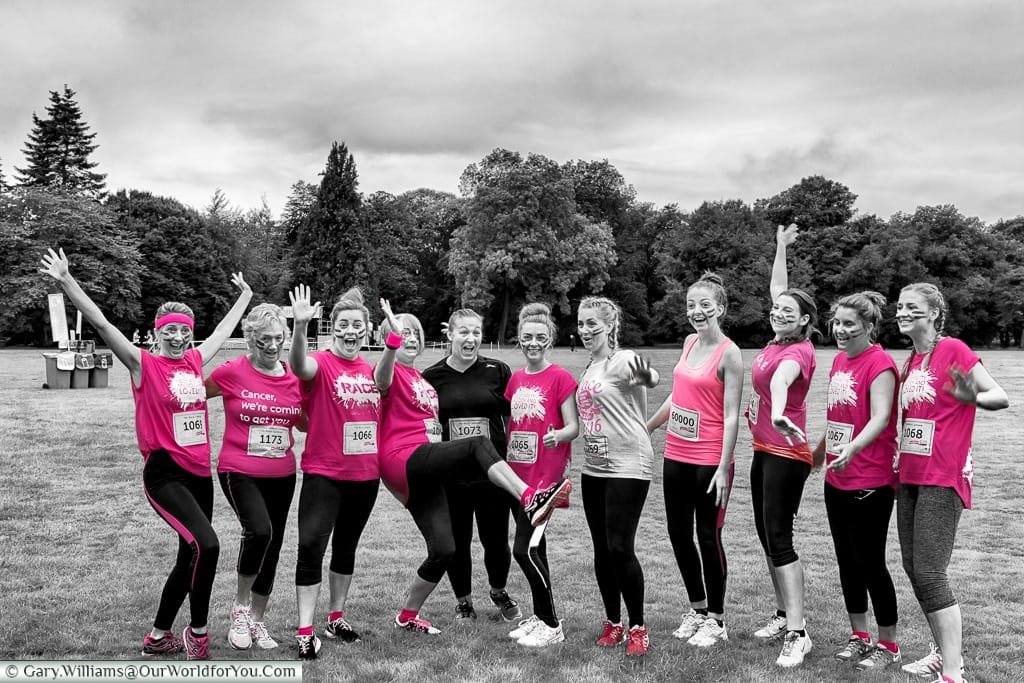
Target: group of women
pixel 452 441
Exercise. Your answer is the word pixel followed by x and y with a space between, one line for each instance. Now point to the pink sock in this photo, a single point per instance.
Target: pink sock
pixel 407 615
pixel 890 645
pixel 334 616
pixel 863 635
pixel 527 496
pixel 306 630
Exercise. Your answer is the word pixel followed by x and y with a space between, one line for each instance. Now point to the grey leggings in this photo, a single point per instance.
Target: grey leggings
pixel 927 517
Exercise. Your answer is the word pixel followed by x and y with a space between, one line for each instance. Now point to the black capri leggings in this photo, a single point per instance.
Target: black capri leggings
pixel 613 508
pixel 687 500
pixel 262 505
pixel 428 470
pixel 185 501
pixel 491 507
pixel 329 506
pixel 859 521
pixel 927 518
pixel 776 487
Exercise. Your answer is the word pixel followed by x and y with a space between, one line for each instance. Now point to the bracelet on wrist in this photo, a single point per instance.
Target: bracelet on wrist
pixel 393 341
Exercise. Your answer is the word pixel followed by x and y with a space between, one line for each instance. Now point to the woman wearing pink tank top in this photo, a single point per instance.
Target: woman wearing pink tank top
pixel 171 425
pixel 703 413
pixel 943 385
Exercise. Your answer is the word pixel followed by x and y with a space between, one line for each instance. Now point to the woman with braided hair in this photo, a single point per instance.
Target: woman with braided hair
pixel 943 385
pixel 617 469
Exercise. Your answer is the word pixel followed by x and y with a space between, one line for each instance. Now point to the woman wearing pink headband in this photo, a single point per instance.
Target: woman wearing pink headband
pixel 171 427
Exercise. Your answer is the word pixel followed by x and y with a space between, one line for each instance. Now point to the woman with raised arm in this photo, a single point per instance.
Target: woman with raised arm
pixel 171 427
pixel 944 383
pixel 617 468
pixel 703 413
pixel 471 402
pixel 543 424
pixel 256 464
pixel 777 415
pixel 415 464
pixel 340 467
pixel 860 485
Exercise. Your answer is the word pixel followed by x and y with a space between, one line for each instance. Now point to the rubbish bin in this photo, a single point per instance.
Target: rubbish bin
pixel 104 360
pixel 58 371
pixel 80 375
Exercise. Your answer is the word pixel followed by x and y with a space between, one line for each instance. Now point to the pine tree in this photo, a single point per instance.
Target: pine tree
pixel 3 182
pixel 58 150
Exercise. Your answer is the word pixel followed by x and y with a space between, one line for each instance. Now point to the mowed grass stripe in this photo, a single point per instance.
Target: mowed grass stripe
pixel 84 557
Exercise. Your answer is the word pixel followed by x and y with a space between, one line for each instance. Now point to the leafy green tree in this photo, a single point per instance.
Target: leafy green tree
pixel 296 211
pixel 105 257
pixel 523 237
pixel 814 202
pixel 58 149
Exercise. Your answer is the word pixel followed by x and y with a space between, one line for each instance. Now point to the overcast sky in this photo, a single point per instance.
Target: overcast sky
pixel 907 103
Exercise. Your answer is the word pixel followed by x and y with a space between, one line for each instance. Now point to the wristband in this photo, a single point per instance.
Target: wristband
pixel 393 341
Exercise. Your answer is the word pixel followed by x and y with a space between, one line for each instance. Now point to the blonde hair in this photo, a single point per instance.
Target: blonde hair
pixel 935 300
pixel 260 318
pixel 463 313
pixel 867 305
pixel 609 313
pixel 712 282
pixel 405 320
pixel 537 313
pixel 351 300
pixel 173 307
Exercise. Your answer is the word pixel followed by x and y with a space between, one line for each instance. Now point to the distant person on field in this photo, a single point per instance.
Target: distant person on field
pixel 943 383
pixel 135 337
pixel 572 342
pixel 703 413
pixel 171 424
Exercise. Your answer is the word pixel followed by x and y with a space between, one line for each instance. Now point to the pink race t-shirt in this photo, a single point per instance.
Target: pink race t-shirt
pixel 536 404
pixel 759 410
pixel 849 410
pixel 696 420
pixel 408 420
pixel 344 410
pixel 170 410
pixel 935 440
pixel 259 413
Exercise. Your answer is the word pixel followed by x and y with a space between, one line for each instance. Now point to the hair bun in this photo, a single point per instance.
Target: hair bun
pixel 354 295
pixel 535 308
pixel 713 277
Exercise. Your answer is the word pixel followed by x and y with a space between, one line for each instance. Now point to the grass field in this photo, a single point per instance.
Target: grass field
pixel 84 557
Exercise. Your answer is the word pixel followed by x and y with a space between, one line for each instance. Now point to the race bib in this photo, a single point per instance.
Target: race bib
pixel 190 428
pixel 595 449
pixel 468 427
pixel 684 423
pixel 268 442
pixel 360 438
pixel 917 437
pixel 752 407
pixel 432 426
pixel 836 434
pixel 522 447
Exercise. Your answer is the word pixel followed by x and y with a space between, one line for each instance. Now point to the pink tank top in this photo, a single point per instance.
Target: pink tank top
pixel 343 405
pixel 259 413
pixel 408 420
pixel 696 422
pixel 170 410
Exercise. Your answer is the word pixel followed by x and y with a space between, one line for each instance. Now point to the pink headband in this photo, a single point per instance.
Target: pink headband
pixel 174 318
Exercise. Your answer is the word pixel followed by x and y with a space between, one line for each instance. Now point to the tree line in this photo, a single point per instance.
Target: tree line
pixel 521 228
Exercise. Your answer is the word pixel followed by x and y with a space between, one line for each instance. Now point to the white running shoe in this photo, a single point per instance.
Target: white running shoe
pixel 260 636
pixel 930 665
pixel 854 650
pixel 794 648
pixel 525 627
pixel 543 635
pixel 881 658
pixel 239 636
pixel 774 628
pixel 690 624
pixel 708 634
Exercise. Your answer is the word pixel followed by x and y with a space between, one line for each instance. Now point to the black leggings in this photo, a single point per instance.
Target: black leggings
pixel 329 506
pixel 686 500
pixel 776 487
pixel 927 518
pixel 859 521
pixel 613 508
pixel 534 563
pixel 491 507
pixel 428 470
pixel 261 504
pixel 185 501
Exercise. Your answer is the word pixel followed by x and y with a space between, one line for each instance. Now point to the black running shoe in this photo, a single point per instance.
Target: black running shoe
pixel 340 630
pixel 509 608
pixel 464 610
pixel 545 501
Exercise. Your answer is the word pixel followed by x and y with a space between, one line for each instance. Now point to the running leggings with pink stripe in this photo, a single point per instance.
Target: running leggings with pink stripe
pixel 185 501
pixel 687 500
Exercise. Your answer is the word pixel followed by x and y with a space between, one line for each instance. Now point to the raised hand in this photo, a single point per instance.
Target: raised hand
pixel 238 281
pixel 641 369
pixel 302 309
pixel 54 264
pixel 963 388
pixel 385 306
pixel 786 235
